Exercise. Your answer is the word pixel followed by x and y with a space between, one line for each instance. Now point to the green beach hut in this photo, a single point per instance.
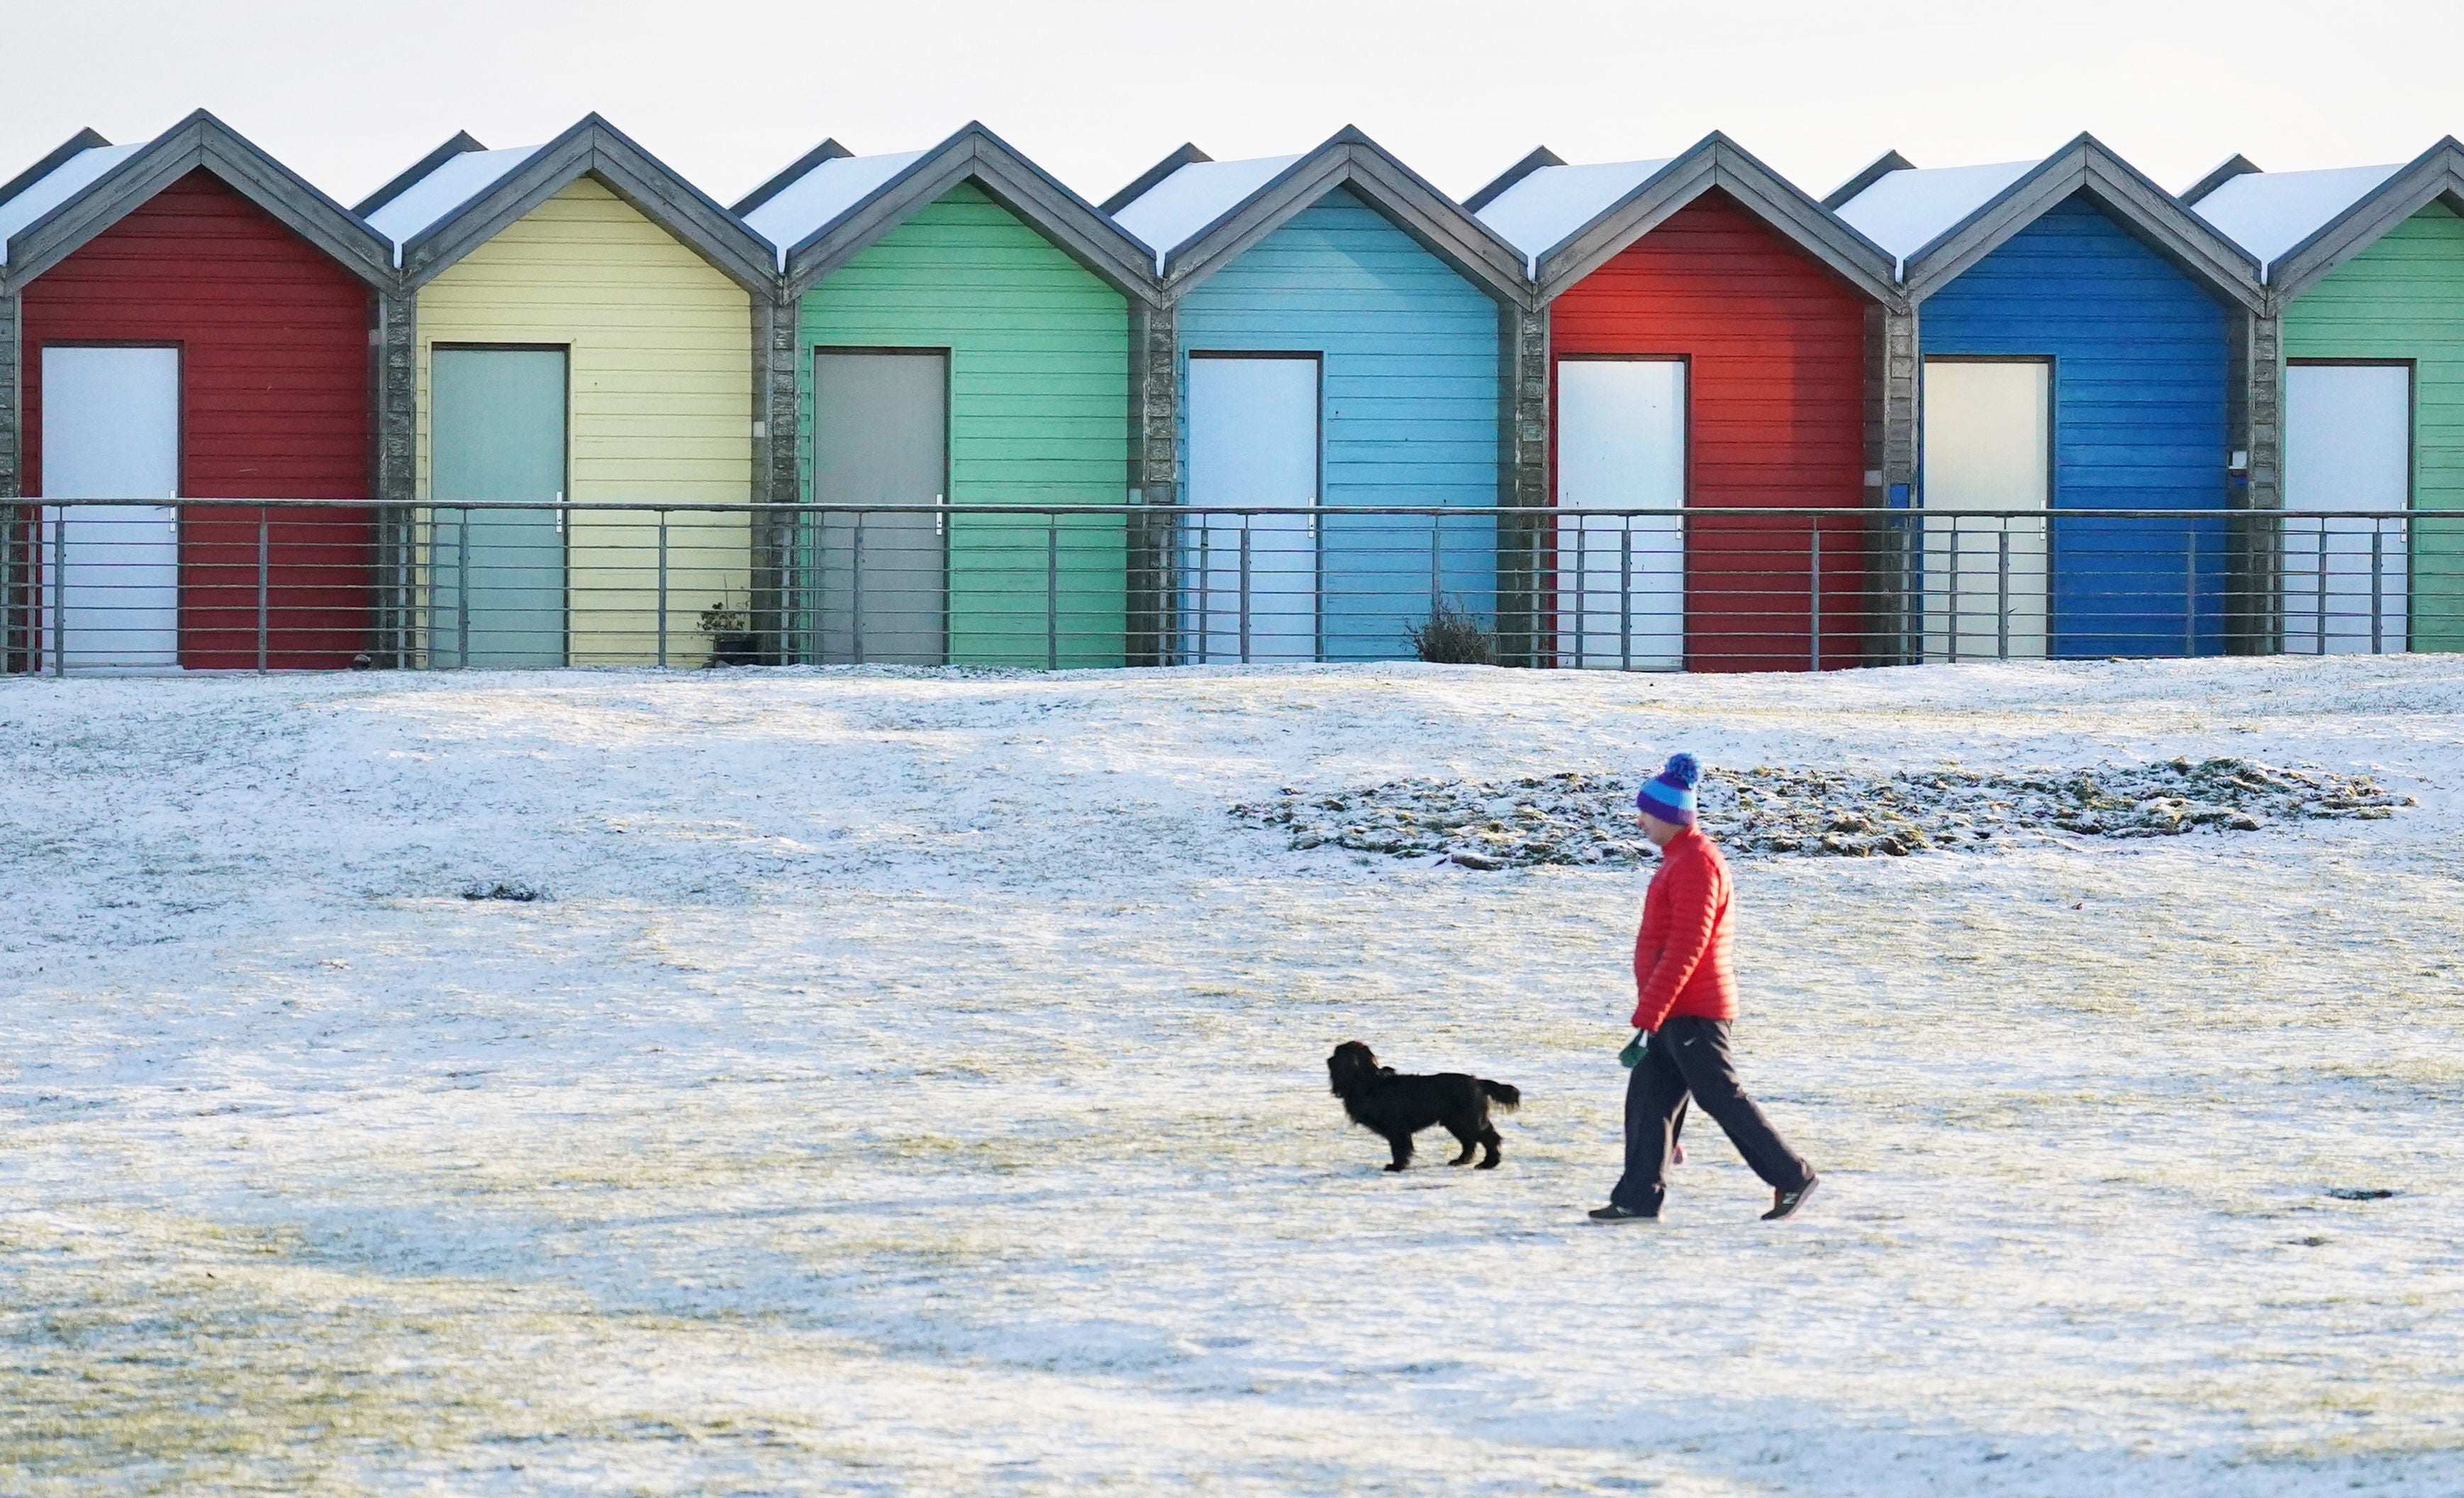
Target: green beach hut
pixel 2364 277
pixel 959 325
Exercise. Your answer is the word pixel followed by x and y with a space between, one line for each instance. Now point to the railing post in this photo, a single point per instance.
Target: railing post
pixel 1582 586
pixel 263 547
pixel 2002 594
pixel 2191 594
pixel 1245 590
pixel 1436 574
pixel 1205 589
pixel 59 590
pixel 855 592
pixel 8 588
pixel 462 590
pixel 1051 591
pixel 2377 575
pixel 1814 601
pixel 2319 593
pixel 663 589
pixel 1625 595
pixel 1951 586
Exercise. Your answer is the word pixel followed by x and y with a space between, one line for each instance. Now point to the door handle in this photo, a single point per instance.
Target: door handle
pixel 938 519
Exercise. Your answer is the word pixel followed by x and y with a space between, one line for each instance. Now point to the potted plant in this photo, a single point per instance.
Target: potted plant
pixel 731 636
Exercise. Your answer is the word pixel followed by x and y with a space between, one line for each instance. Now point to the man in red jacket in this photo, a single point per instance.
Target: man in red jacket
pixel 1685 995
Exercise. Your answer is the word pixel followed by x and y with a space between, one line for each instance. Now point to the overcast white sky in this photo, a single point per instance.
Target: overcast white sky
pixel 1098 89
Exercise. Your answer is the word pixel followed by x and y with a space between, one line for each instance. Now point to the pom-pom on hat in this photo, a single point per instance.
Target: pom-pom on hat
pixel 1669 795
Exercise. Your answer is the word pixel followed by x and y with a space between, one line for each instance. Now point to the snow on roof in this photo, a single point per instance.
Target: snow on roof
pixel 1549 206
pixel 2268 212
pixel 1903 212
pixel 1171 214
pixel 56 186
pixel 456 180
pixel 821 195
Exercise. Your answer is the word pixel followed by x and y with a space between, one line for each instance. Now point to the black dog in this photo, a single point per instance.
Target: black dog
pixel 1400 1107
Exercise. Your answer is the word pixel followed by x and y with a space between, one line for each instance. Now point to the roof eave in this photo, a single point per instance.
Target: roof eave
pixel 200 141
pixel 2437 173
pixel 1400 195
pixel 2153 214
pixel 975 153
pixel 596 148
pixel 1717 162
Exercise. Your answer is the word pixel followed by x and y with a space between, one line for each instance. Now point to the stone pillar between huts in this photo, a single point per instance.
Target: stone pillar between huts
pixel 393 379
pixel 1522 482
pixel 1154 483
pixel 777 483
pixel 1892 370
pixel 2254 427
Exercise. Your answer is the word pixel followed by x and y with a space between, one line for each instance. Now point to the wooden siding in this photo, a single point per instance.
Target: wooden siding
pixel 1776 349
pixel 1038 414
pixel 661 368
pixel 274 404
pixel 1409 355
pixel 2140 356
pixel 2403 298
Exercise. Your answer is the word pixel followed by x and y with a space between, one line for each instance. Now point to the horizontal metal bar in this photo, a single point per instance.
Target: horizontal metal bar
pixel 1837 514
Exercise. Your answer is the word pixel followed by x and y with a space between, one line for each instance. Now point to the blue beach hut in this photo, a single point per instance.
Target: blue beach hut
pixel 1338 343
pixel 2078 333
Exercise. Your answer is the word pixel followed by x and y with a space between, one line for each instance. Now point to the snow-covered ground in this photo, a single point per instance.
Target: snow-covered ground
pixel 915 1081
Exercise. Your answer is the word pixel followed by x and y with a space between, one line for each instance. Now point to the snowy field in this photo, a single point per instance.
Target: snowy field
pixel 915 1082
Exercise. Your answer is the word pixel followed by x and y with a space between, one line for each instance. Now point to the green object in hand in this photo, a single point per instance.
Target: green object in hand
pixel 1632 1056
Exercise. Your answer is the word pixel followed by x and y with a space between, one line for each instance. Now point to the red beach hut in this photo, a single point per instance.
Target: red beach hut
pixel 1711 329
pixel 191 322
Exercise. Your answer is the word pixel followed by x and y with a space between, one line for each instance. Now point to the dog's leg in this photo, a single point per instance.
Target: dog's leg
pixel 1468 1138
pixel 1402 1145
pixel 1490 1139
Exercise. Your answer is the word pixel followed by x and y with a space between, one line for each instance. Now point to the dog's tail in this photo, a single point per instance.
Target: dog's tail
pixel 1506 1097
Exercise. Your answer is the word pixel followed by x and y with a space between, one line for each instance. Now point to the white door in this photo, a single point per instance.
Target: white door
pixel 1253 440
pixel 1988 445
pixel 2347 446
pixel 1621 578
pixel 111 573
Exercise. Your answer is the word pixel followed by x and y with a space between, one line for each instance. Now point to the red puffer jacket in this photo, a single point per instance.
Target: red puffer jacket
pixel 1681 955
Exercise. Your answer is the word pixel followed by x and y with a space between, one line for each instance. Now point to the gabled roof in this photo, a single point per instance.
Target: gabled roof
pixel 2305 224
pixel 1569 221
pixel 1937 223
pixel 827 208
pixel 1187 154
pixel 1908 208
pixel 1540 156
pixel 86 186
pixel 1202 213
pixel 1873 171
pixel 468 196
pixel 2222 172
pixel 412 207
pixel 463 140
pixel 2268 212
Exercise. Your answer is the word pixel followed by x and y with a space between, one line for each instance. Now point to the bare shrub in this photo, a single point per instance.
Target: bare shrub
pixel 1452 635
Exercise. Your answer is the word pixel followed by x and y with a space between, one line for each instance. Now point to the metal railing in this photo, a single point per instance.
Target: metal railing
pixel 117 585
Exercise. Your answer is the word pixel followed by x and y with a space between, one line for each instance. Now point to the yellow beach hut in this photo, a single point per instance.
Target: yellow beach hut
pixel 582 330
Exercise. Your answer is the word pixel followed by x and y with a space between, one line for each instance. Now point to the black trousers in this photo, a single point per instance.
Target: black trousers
pixel 1689 1058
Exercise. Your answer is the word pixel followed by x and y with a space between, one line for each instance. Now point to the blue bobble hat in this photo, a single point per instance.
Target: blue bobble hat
pixel 1669 795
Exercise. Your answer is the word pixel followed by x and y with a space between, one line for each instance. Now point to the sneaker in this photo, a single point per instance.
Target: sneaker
pixel 1784 1204
pixel 1613 1213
